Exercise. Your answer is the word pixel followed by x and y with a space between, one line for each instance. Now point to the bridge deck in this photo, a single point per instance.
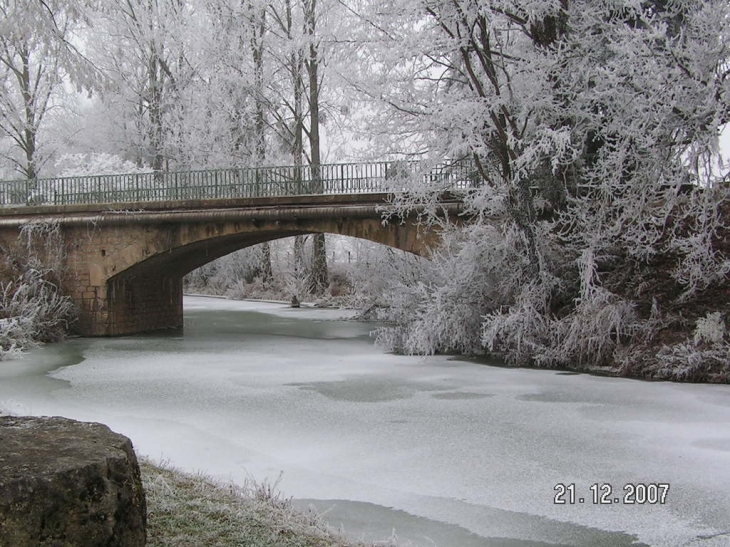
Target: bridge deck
pixel 233 184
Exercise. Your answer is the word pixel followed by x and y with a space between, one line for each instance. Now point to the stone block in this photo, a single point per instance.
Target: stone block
pixel 65 483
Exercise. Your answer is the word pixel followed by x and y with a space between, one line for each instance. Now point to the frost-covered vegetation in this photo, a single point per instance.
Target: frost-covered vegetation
pixel 599 237
pixel 186 509
pixel 596 230
pixel 283 271
pixel 32 308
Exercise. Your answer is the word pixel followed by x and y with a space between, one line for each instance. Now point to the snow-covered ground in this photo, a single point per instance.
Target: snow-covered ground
pixel 448 452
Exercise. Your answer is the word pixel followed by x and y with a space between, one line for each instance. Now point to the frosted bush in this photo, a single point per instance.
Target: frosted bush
pixel 31 311
pixel 521 333
pixel 228 273
pixel 688 362
pixel 705 357
pixel 592 333
pixel 710 329
pixel 238 290
pixel 14 337
pixel 527 333
pixel 594 329
pixel 438 306
pixel 41 246
pixel 701 263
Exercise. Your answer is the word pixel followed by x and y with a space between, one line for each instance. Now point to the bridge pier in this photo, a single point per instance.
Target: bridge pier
pixel 143 304
pixel 128 305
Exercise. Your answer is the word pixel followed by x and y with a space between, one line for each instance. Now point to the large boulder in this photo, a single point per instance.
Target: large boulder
pixel 65 483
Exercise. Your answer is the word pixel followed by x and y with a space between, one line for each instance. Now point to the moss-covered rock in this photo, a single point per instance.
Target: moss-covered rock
pixel 65 483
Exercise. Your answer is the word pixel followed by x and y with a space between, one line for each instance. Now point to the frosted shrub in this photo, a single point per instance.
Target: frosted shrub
pixel 689 362
pixel 439 306
pixel 594 329
pixel 592 333
pixel 238 290
pixel 528 333
pixel 31 311
pixel 375 271
pixel 588 336
pixel 231 275
pixel 707 356
pixel 81 165
pixel 14 337
pixel 701 263
pixel 40 246
pixel 710 329
pixel 522 332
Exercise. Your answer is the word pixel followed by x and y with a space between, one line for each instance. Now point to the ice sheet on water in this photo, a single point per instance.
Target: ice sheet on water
pixel 445 440
pixel 306 311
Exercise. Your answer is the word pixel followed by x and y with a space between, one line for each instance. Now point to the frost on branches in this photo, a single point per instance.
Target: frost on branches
pixel 32 309
pixel 599 233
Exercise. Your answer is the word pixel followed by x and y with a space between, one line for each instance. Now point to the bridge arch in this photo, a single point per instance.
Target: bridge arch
pixel 142 280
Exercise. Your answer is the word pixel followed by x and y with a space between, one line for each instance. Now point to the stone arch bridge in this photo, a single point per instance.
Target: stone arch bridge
pixel 125 259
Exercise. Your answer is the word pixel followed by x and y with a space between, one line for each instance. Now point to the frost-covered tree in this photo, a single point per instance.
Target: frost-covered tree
pixel 38 53
pixel 592 126
pixel 148 67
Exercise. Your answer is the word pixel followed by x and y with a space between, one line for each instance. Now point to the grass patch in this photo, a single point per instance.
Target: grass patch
pixel 185 510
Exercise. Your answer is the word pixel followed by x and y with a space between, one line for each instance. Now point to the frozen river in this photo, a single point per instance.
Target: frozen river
pixel 440 451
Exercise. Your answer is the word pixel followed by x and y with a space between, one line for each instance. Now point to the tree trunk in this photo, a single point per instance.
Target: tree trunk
pixel 299 270
pixel 29 133
pixel 258 27
pixel 319 278
pixel 267 275
pixel 156 130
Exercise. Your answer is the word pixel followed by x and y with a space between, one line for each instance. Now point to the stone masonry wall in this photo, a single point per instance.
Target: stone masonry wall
pixel 144 304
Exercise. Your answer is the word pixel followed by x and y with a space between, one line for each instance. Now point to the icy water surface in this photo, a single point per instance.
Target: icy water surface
pixel 439 451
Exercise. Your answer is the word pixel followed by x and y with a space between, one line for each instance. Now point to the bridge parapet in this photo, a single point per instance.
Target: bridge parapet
pixel 235 183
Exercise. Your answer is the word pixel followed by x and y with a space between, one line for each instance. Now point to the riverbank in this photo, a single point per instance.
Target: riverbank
pixel 193 509
pixel 187 509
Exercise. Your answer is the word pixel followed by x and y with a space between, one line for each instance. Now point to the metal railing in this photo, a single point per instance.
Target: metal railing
pixel 237 182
